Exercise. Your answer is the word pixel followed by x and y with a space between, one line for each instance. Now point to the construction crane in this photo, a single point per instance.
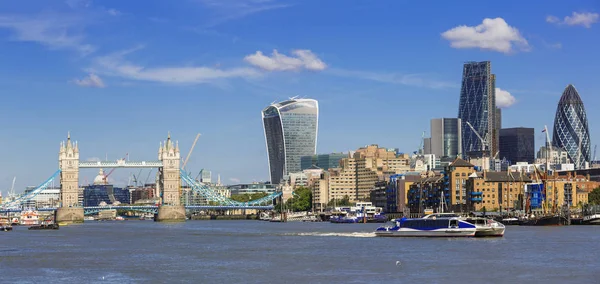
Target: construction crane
pixel 136 178
pixel 484 143
pixel 190 153
pixel 113 169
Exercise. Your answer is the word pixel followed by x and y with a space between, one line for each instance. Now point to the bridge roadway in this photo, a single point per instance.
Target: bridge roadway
pixel 121 164
pixel 149 209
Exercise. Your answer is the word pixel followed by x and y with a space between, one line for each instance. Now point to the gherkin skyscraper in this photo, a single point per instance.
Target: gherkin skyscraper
pixel 571 128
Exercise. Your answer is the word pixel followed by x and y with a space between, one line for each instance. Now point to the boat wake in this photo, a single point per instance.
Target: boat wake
pixel 350 235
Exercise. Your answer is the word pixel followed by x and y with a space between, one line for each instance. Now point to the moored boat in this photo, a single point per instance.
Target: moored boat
pixel 428 226
pixel 551 220
pixel 486 227
pixel 591 219
pixel 6 228
pixel 52 226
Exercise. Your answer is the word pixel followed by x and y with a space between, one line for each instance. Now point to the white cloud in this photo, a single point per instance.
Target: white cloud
pixel 491 34
pixel 51 30
pixel 417 80
pixel 93 159
pixel 113 12
pixel 552 19
pixel 92 80
pixel 302 59
pixel 115 65
pixel 225 11
pixel 234 180
pixel 584 19
pixel 504 99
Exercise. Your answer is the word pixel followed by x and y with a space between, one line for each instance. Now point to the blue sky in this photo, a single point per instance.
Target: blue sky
pixel 120 74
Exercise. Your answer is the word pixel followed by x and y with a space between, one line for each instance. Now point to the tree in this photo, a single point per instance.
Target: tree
pixel 594 196
pixel 345 201
pixel 301 199
pixel 247 197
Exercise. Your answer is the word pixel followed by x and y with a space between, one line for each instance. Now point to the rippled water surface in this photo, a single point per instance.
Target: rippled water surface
pixel 263 252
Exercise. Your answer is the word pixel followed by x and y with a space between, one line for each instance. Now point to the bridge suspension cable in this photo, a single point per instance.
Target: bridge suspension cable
pixel 212 195
pixel 29 195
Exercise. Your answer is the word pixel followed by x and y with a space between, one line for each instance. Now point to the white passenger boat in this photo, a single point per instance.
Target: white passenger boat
pixel 486 227
pixel 428 226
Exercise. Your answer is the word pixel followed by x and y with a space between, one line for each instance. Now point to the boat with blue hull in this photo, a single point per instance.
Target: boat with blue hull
pixel 428 226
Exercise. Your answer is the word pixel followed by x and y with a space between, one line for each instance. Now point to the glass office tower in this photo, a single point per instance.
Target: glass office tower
pixel 571 128
pixel 517 145
pixel 478 107
pixel 290 133
pixel 446 135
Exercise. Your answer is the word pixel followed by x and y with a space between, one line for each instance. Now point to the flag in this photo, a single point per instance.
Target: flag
pixel 544 130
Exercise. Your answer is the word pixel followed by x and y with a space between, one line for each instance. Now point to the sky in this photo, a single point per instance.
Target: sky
pixel 121 75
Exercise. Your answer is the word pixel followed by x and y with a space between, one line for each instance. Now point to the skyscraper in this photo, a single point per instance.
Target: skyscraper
pixel 478 107
pixel 517 144
pixel 290 133
pixel 446 137
pixel 571 128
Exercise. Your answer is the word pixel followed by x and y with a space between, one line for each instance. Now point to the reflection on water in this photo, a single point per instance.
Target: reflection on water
pixel 263 252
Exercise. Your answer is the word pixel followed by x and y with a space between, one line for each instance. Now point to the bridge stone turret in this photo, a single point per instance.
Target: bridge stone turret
pixel 170 182
pixel 70 210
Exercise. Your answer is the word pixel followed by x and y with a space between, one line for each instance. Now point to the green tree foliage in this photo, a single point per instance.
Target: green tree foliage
pixel 594 196
pixel 345 201
pixel 301 200
pixel 247 197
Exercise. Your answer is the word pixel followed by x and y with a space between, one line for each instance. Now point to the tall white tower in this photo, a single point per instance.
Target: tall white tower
pixel 68 162
pixel 168 153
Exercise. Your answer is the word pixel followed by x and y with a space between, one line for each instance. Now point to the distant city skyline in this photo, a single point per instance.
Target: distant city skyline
pixel 120 75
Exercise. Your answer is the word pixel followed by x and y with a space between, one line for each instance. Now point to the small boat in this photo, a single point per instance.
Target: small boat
pixel 52 226
pixel 551 220
pixel 119 218
pixel 344 219
pixel 6 228
pixel 428 226
pixel 511 221
pixel 89 218
pixel 310 218
pixel 591 219
pixel 486 227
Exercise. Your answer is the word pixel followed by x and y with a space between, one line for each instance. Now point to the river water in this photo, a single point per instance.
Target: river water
pixel 263 252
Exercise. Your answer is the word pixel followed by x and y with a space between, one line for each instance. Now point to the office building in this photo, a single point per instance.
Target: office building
pixel 95 194
pixel 446 137
pixel 517 144
pixel 290 132
pixel 252 188
pixel 427 146
pixel 361 170
pixel 323 161
pixel 477 106
pixel 205 176
pixel 571 128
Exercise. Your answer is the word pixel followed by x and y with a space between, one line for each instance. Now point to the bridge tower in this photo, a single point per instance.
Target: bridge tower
pixel 169 182
pixel 70 210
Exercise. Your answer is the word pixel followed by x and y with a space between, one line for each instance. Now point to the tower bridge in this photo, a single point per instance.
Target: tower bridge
pixel 169 182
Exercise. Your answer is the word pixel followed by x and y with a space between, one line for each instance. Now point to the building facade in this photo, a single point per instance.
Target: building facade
pixel 477 106
pixel 571 128
pixel 517 144
pixel 205 176
pixel 290 132
pixel 323 161
pixel 95 194
pixel 446 137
